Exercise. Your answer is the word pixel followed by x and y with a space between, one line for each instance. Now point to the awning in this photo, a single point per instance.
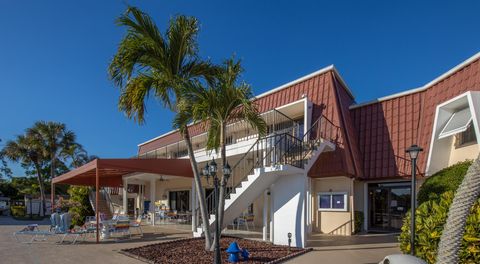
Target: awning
pixel 458 122
pixel 110 171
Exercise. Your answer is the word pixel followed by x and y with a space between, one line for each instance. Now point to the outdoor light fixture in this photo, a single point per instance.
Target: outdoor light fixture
pixel 227 171
pixel 211 170
pixel 289 235
pixel 413 151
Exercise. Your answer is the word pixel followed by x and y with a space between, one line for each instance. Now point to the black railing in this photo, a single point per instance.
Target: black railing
pixel 278 149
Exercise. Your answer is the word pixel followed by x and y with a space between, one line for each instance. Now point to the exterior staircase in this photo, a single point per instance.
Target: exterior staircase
pixel 267 160
pixel 104 206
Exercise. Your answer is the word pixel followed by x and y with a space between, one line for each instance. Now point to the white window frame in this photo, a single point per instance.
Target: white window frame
pixel 444 133
pixel 331 194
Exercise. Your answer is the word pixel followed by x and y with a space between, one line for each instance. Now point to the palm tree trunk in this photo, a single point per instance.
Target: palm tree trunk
pixel 223 183
pixel 200 192
pixel 465 196
pixel 52 167
pixel 41 185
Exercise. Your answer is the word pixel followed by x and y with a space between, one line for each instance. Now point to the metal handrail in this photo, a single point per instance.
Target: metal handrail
pixel 108 200
pixel 294 151
pixel 279 158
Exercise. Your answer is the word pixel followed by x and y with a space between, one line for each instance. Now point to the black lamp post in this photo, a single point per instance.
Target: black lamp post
pixel 211 170
pixel 413 151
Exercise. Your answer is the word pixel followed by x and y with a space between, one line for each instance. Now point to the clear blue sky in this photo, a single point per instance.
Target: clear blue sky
pixel 54 54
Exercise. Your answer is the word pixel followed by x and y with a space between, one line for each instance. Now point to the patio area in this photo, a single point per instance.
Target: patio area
pixel 82 252
pixel 331 249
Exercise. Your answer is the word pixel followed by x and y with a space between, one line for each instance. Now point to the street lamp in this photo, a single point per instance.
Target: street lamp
pixel 413 151
pixel 210 170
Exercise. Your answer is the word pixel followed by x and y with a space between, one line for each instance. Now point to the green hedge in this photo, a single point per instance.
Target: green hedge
pixel 430 219
pixel 17 210
pixel 445 180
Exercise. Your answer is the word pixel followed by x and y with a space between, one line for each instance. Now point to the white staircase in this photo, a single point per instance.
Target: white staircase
pixel 259 180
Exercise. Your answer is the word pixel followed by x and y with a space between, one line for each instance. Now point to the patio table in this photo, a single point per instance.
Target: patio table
pixel 184 217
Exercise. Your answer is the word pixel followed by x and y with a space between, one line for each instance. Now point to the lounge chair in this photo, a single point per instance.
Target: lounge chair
pixel 59 226
pixel 64 229
pixel 33 232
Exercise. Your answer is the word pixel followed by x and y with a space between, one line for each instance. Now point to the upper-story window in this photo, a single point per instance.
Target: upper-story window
pixel 181 153
pixel 466 137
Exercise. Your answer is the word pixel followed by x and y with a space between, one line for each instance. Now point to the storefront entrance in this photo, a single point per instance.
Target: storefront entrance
pixel 388 203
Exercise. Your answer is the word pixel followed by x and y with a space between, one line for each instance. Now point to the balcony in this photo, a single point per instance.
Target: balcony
pixel 240 137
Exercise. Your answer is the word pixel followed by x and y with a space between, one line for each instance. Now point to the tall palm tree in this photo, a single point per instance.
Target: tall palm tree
pixel 148 62
pixel 55 138
pixel 27 150
pixel 227 100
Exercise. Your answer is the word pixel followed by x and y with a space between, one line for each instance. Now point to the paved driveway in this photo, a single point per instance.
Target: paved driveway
pixel 361 249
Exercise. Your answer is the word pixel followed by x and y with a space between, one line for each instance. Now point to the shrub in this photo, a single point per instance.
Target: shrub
pixel 358 221
pixel 430 219
pixel 79 204
pixel 445 180
pixel 17 210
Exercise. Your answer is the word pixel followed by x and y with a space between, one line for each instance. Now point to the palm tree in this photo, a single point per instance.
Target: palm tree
pixel 453 230
pixel 148 62
pixel 77 155
pixel 55 139
pixel 27 150
pixel 226 101
pixel 5 171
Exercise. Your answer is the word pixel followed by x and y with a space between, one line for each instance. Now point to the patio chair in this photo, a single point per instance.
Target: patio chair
pixel 54 220
pixel 59 226
pixel 171 215
pixel 64 229
pixel 137 224
pixel 245 220
pixel 33 232
pixel 121 226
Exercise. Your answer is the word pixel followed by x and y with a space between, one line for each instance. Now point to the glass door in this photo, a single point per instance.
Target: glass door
pixel 388 204
pixel 180 201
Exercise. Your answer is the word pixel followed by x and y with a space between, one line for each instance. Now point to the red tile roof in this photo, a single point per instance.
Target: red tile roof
pixel 373 136
pixel 386 129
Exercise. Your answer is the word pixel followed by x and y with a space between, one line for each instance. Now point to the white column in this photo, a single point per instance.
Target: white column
pixel 365 206
pixel 124 195
pixel 352 205
pixel 153 189
pixel 272 214
pixel 193 207
pixel 265 212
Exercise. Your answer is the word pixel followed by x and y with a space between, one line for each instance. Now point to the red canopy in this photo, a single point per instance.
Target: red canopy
pixel 110 171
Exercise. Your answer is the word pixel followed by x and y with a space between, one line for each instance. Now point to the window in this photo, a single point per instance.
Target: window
pixel 466 138
pixel 332 201
pixel 458 122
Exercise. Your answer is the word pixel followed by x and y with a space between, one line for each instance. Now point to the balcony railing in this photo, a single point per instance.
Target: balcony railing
pixel 237 132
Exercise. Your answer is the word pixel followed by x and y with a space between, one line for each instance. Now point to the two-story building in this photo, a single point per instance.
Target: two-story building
pixel 325 159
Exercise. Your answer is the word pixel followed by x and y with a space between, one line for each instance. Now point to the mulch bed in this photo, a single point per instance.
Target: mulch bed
pixel 192 250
